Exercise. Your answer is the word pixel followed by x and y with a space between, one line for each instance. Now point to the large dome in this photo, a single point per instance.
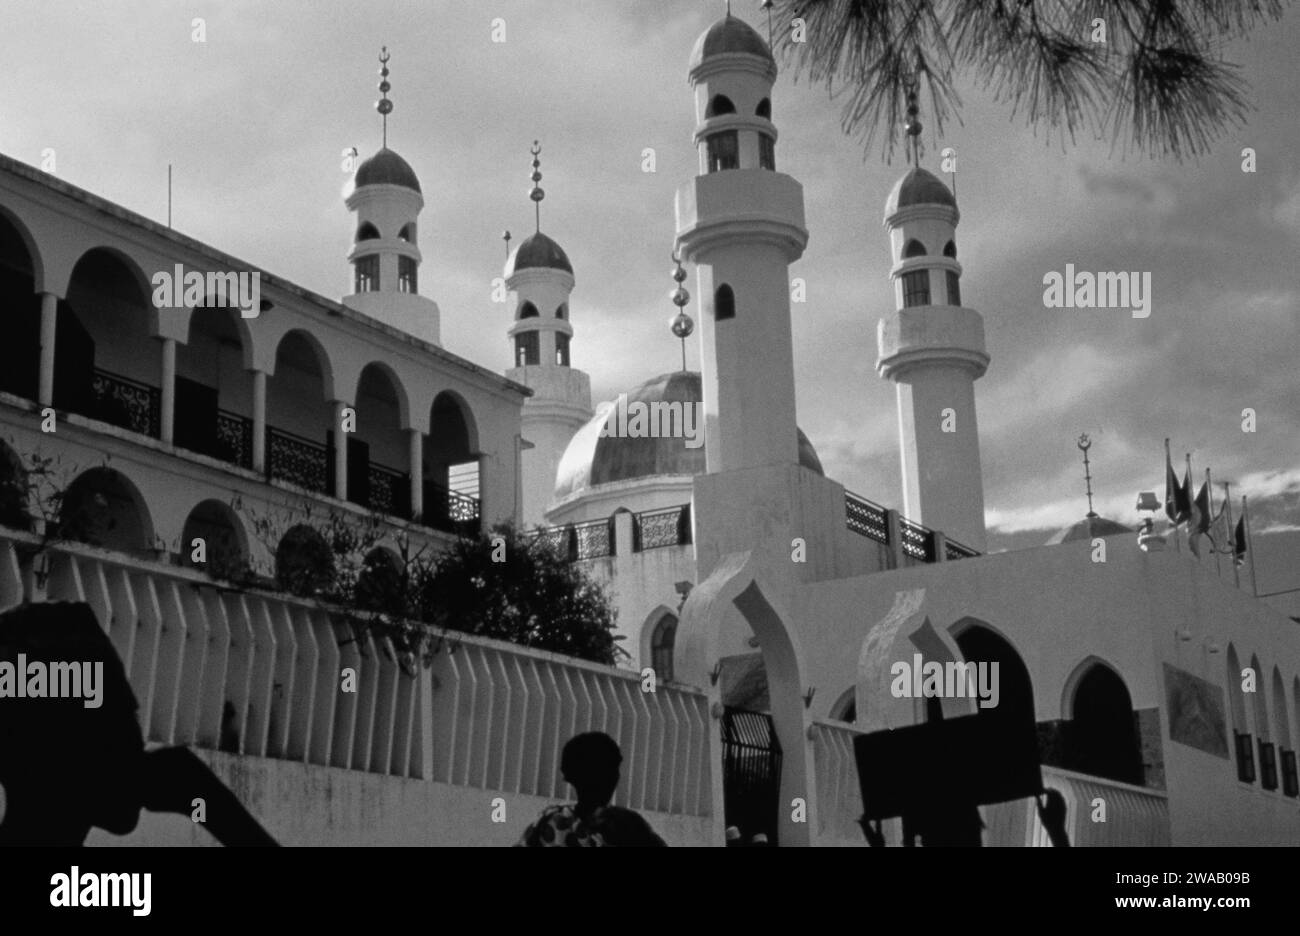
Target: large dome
pixel 1088 528
pixel 540 252
pixel 386 168
pixel 591 460
pixel 919 187
pixel 727 35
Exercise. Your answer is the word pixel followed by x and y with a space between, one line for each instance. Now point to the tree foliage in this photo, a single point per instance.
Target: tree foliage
pixel 1159 80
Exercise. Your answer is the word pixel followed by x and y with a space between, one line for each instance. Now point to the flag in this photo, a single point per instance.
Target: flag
pixel 1199 522
pixel 1218 531
pixel 1240 546
pixel 1185 494
pixel 1173 492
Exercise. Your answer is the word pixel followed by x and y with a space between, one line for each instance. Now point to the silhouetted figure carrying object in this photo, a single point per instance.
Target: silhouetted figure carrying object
pixel 66 767
pixel 1051 811
pixel 590 763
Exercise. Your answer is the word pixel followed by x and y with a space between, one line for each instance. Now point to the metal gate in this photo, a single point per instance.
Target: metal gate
pixel 751 773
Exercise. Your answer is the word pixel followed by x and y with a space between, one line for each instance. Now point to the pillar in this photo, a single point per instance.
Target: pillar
pixel 259 421
pixel 416 439
pixel 167 429
pixel 49 322
pixel 340 452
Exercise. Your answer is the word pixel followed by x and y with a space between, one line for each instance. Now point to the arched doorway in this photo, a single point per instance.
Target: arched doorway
pixel 214 392
pixel 662 638
pixel 224 549
pixel 101 507
pixel 378 449
pixel 20 351
pixel 451 466
pixel 299 418
pixel 1101 737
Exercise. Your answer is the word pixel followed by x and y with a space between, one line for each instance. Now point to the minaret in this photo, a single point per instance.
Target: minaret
pixel 933 349
pixel 384 194
pixel 540 276
pixel 742 223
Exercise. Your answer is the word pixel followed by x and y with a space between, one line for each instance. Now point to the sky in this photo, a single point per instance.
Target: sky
pixel 254 120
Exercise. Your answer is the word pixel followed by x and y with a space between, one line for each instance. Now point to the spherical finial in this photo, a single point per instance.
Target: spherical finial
pixel 384 106
pixel 682 325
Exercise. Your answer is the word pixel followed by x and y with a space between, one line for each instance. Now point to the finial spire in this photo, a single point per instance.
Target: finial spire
pixel 767 5
pixel 1084 444
pixel 383 105
pixel 505 236
pixel 537 194
pixel 913 125
pixel 681 323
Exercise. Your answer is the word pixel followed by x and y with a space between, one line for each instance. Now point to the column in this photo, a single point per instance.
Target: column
pixel 340 452
pixel 416 439
pixel 49 321
pixel 166 431
pixel 259 421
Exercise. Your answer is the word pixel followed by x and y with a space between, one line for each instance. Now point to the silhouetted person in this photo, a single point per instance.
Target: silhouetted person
pixel 1051 810
pixel 66 768
pixel 590 763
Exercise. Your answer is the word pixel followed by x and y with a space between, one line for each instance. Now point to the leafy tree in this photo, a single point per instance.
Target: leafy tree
pixel 1158 78
pixel 532 596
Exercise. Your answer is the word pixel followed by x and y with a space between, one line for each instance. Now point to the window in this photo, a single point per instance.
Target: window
pixel 724 303
pixel 528 310
pixel 406 280
pixel 562 349
pixel 562 311
pixel 407 233
pixel 1267 765
pixel 766 152
pixel 916 288
pixel 367 231
pixel 527 350
pixel 1245 757
pixel 764 109
pixel 723 151
pixel 1290 782
pixel 913 248
pixel 954 289
pixel 367 274
pixel 721 104
pixel 661 647
pixel 950 250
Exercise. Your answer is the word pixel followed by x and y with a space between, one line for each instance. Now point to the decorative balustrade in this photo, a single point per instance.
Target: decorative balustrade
pixel 256 673
pixel 593 539
pixel 390 491
pixel 300 461
pixel 235 438
pixel 654 529
pixel 449 511
pixel 128 404
pixel 872 521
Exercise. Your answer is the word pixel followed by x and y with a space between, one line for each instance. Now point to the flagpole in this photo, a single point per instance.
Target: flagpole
pixel 1191 501
pixel 1227 503
pixel 1209 503
pixel 1250 547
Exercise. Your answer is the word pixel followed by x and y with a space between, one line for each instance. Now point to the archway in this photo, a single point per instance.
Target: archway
pixel 299 430
pixel 224 548
pixel 214 393
pixel 378 449
pixel 663 635
pixel 101 507
pixel 1101 737
pixel 451 466
pixel 20 351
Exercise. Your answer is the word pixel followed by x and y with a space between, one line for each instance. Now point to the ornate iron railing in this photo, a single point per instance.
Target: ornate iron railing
pixel 301 461
pixel 866 518
pixel 127 403
pixel 449 511
pixel 653 529
pixel 917 541
pixel 593 539
pixel 955 550
pixel 235 438
pixel 390 491
pixel 555 538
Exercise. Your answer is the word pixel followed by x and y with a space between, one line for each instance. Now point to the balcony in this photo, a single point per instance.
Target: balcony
pixel 913 542
pixel 596 539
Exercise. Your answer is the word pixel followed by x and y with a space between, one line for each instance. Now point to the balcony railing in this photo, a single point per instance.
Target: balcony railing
pixel 655 529
pixel 1267 765
pixel 298 460
pixel 449 511
pixel 390 491
pixel 125 403
pixel 235 438
pixel 872 521
pixel 1245 757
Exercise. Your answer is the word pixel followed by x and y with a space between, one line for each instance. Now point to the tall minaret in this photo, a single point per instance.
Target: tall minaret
pixel 384 194
pixel 539 275
pixel 933 349
pixel 742 223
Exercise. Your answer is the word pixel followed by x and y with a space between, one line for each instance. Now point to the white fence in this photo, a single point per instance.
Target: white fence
pixel 260 674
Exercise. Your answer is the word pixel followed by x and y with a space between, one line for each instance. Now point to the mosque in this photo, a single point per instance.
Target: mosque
pixel 770 604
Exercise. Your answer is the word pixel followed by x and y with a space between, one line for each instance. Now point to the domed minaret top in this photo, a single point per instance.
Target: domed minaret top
pixel 385 167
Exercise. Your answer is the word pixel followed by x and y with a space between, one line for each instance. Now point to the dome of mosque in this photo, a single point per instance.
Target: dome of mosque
pixel 919 187
pixel 538 251
pixel 386 168
pixel 727 35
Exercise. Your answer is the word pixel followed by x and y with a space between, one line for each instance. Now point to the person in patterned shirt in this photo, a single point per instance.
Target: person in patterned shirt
pixel 590 763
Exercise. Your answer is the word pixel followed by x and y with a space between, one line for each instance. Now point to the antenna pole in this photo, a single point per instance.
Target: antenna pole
pixel 169 195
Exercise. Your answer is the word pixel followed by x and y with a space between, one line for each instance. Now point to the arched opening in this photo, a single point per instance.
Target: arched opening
pixel 299 418
pixel 981 644
pixel 764 109
pixel 107 365
pixel 527 310
pixel 845 708
pixel 662 640
pixel 214 394
pixel 378 449
pixel 1263 728
pixel 913 248
pixel 101 507
pixel 719 105
pixel 304 564
pixel 562 310
pixel 1243 742
pixel 381 586
pixel 14 506
pixel 367 231
pixel 20 351
pixel 451 466
pixel 950 250
pixel 408 275
pixel 365 273
pixel 407 233
pixel 1101 736
pixel 724 303
pixel 1285 740
pixel 224 548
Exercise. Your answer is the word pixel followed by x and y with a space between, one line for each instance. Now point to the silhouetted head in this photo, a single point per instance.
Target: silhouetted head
pixel 590 762
pixel 66 767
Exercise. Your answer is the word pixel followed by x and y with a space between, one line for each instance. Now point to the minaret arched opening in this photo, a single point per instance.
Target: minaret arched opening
pixel 720 104
pixel 764 109
pixel 528 310
pixel 724 303
pixel 367 231
pixel 914 248
pixel 950 250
